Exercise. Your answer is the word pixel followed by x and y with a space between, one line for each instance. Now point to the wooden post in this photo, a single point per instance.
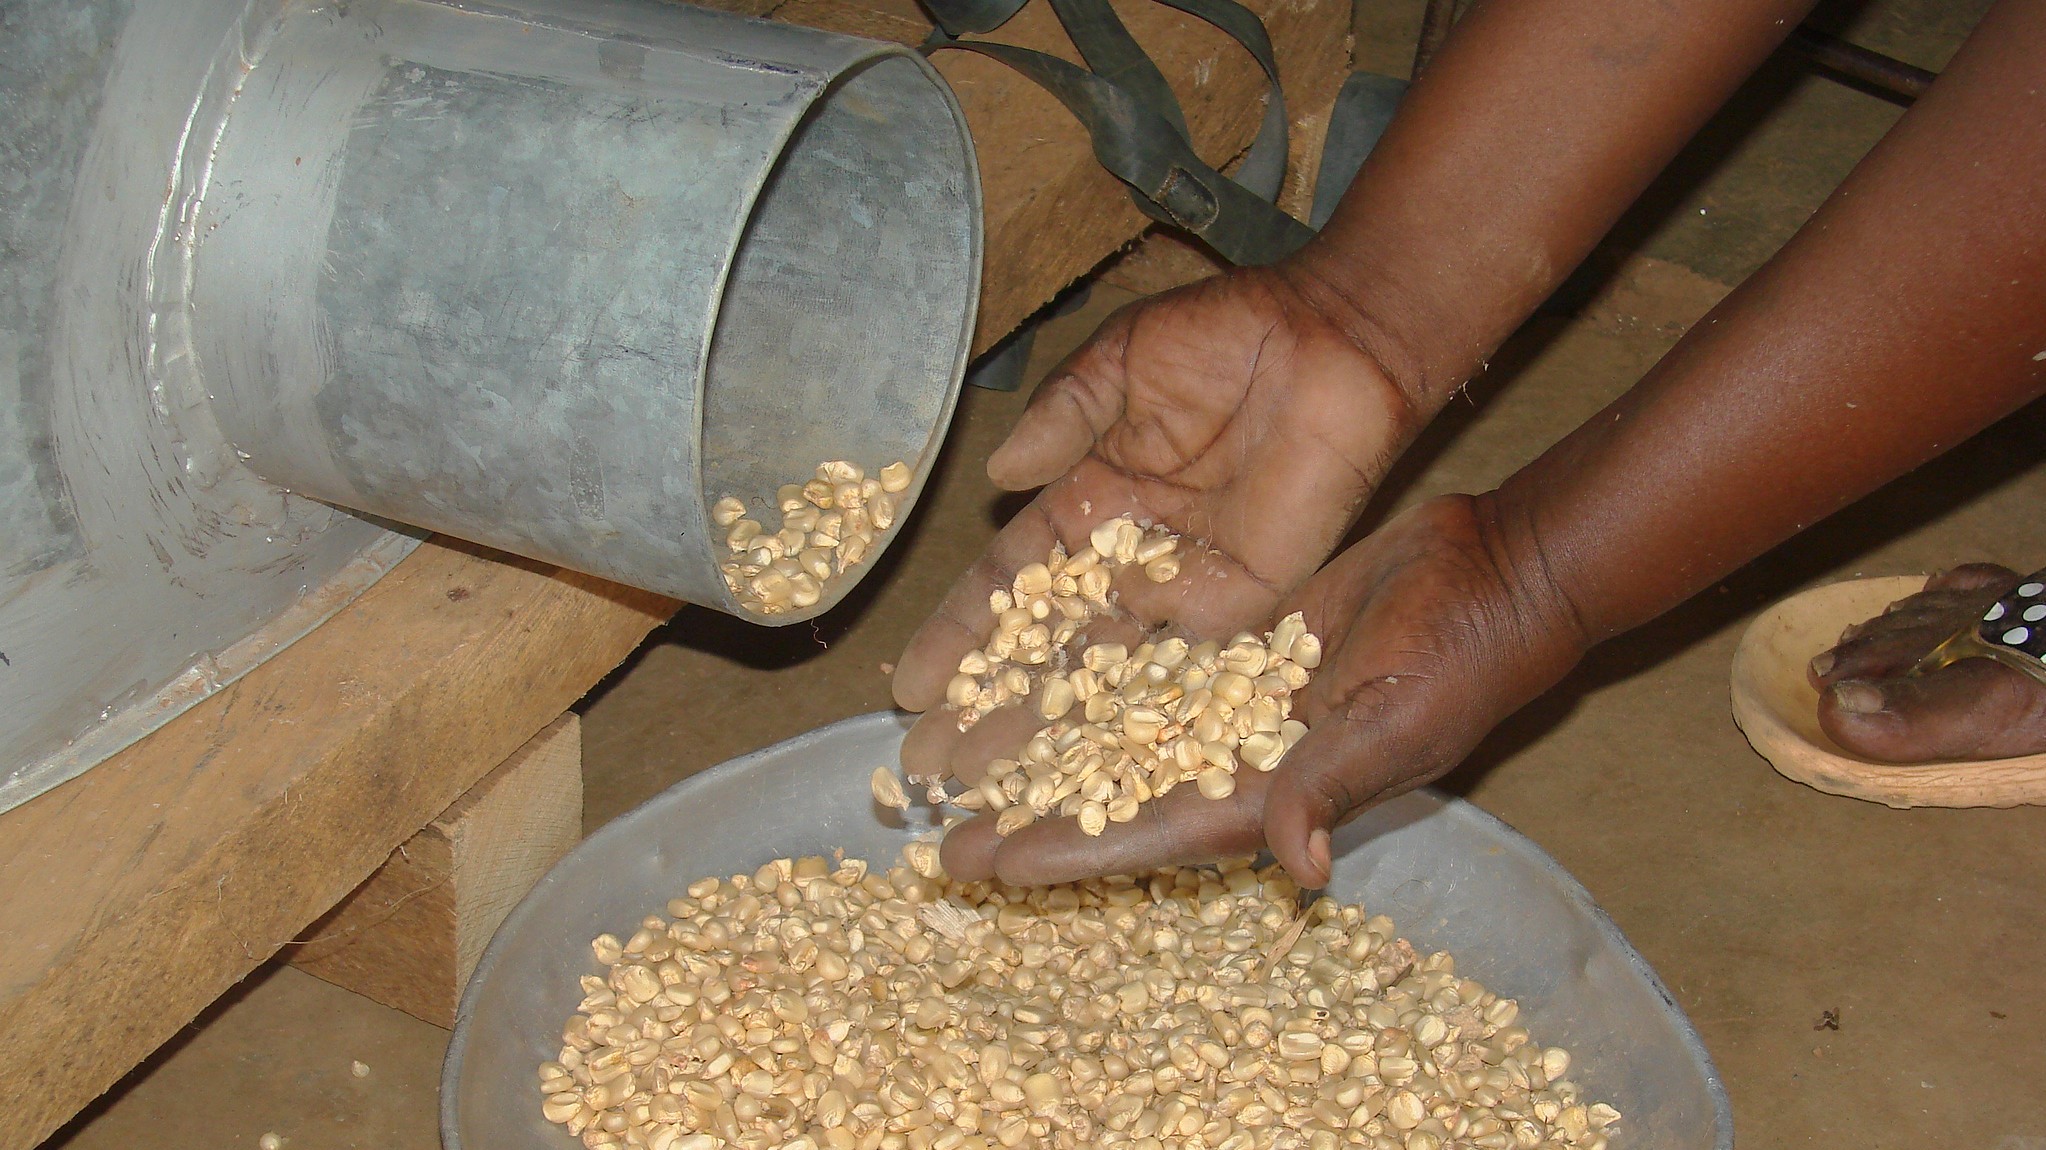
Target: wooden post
pixel 409 936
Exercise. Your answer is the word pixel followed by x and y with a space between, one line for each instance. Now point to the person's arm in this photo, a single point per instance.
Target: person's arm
pixel 1534 128
pixel 1908 314
pixel 1256 412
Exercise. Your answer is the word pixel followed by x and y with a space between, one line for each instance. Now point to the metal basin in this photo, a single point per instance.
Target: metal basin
pixel 1451 876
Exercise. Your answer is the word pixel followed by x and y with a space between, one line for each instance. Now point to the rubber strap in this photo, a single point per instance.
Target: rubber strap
pixel 1115 56
pixel 968 17
pixel 1264 167
pixel 1136 125
pixel 1141 149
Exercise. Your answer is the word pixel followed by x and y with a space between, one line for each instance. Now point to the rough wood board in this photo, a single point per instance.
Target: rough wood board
pixel 1053 214
pixel 410 935
pixel 133 896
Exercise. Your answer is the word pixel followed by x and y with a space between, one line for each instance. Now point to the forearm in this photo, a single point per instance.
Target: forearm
pixel 1532 131
pixel 1907 315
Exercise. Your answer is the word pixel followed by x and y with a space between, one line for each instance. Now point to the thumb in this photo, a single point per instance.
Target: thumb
pixel 1356 757
pixel 1072 408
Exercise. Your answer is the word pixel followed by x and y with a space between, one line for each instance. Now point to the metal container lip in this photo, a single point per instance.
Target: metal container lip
pixel 707 532
pixel 1438 804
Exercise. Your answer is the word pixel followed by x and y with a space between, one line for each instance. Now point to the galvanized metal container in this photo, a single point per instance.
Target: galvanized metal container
pixel 555 277
pixel 1451 876
pixel 549 275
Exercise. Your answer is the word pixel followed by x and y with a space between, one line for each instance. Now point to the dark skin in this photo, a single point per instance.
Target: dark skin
pixel 1903 318
pixel 1872 705
pixel 1297 387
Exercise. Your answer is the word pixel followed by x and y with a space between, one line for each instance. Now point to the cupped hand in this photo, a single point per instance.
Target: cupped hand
pixel 1972 709
pixel 1235 411
pixel 1435 628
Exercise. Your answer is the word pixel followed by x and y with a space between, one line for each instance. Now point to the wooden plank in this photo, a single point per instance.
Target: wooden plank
pixel 1053 214
pixel 134 895
pixel 409 936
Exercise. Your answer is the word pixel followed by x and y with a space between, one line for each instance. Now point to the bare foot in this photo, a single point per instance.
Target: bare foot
pixel 1973 709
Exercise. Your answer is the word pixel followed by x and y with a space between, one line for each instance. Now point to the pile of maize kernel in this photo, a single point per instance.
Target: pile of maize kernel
pixel 828 525
pixel 1122 726
pixel 814 1005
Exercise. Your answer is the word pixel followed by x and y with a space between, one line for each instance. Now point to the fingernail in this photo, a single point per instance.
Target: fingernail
pixel 1318 853
pixel 1823 664
pixel 1857 698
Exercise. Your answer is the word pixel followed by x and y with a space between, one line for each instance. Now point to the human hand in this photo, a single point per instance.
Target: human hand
pixel 1234 411
pixel 1434 629
pixel 1971 709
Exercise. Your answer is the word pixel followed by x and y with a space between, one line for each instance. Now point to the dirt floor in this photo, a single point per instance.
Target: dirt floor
pixel 1864 977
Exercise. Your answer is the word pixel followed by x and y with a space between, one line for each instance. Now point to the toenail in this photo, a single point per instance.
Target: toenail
pixel 1857 698
pixel 1823 665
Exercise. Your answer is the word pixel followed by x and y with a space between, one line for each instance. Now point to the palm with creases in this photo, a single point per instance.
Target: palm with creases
pixel 1234 411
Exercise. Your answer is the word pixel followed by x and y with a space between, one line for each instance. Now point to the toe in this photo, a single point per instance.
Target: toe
pixel 1880 653
pixel 1893 642
pixel 1972 577
pixel 1974 709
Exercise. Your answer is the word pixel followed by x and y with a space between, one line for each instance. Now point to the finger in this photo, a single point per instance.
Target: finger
pixel 968 852
pixel 1000 734
pixel 927 748
pixel 962 622
pixel 1974 709
pixel 1331 773
pixel 1081 399
pixel 1376 728
pixel 1184 826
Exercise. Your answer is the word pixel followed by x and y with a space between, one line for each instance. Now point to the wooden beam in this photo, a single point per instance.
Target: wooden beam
pixel 411 933
pixel 135 894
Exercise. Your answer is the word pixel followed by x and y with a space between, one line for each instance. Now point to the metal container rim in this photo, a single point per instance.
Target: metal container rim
pixel 707 533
